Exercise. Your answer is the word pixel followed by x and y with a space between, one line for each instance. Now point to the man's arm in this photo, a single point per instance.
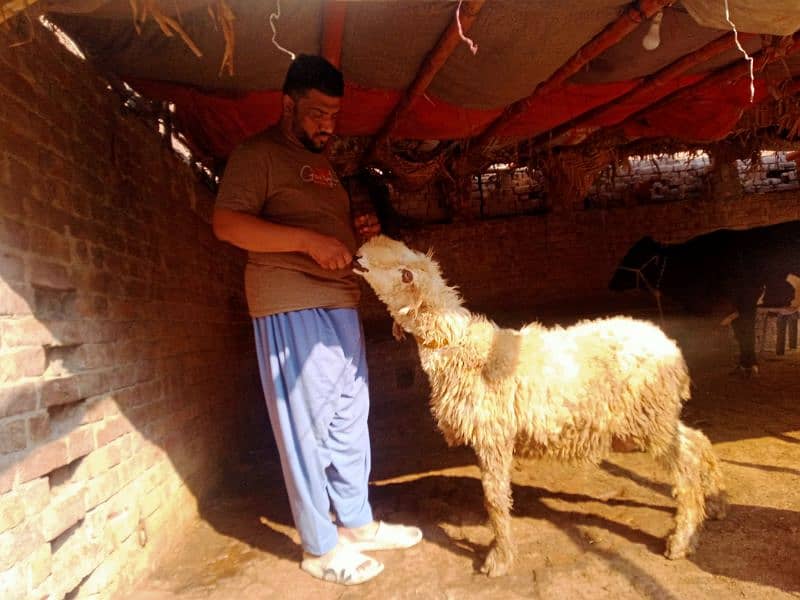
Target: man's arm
pixel 258 235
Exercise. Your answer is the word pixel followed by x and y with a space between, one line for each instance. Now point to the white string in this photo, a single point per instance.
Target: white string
pixel 272 18
pixel 742 50
pixel 472 45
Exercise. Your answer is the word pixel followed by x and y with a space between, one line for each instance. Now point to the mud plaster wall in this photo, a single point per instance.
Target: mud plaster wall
pixel 126 353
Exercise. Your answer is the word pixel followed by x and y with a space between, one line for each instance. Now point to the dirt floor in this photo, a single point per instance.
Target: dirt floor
pixel 582 531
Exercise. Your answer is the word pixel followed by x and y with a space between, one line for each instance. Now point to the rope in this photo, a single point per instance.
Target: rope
pixel 747 57
pixel 655 290
pixel 473 47
pixel 272 18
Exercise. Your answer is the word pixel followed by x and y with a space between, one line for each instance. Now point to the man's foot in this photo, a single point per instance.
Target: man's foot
pixel 344 565
pixel 379 535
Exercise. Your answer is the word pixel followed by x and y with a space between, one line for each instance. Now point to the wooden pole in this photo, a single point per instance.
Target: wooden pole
pixel 646 87
pixel 431 65
pixel 333 17
pixel 788 46
pixel 612 34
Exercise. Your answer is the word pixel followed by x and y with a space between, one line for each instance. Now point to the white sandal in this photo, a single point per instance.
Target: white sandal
pixel 347 566
pixel 387 537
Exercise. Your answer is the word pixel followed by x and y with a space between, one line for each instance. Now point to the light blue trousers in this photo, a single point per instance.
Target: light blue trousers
pixel 314 375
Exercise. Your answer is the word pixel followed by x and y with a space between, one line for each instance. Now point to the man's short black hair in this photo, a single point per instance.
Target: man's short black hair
pixel 309 72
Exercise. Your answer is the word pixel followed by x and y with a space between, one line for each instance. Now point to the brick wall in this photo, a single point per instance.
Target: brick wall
pixel 567 254
pixel 125 349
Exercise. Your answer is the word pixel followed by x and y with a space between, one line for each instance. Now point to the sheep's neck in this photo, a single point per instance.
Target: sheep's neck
pixel 437 329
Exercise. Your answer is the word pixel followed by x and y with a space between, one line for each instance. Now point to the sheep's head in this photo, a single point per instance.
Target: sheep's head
pixel 407 281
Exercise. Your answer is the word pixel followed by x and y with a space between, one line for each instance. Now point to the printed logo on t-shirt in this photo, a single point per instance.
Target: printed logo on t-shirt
pixel 318 175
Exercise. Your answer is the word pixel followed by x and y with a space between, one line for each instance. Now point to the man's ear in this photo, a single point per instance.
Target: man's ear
pixel 288 105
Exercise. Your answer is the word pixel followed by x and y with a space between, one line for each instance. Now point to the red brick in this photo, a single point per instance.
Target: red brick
pixel 14 234
pixel 63 512
pixel 49 244
pixel 12 511
pixel 13 437
pixel 111 429
pixel 43 459
pixel 17 543
pixel 23 362
pixel 40 565
pixel 92 384
pixel 12 267
pixel 97 356
pixel 98 408
pixel 106 578
pixel 80 442
pixel 101 488
pixel 15 300
pixel 51 275
pixel 75 559
pixel 13 584
pixel 35 495
pixel 25 331
pixel 151 501
pixel 21 177
pixel 121 525
pixel 17 399
pixel 63 390
pixel 39 429
pixel 100 461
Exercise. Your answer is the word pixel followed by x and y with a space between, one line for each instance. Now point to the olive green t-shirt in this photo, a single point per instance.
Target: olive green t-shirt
pixel 271 177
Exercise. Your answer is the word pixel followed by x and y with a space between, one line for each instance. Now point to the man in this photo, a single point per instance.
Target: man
pixel 280 200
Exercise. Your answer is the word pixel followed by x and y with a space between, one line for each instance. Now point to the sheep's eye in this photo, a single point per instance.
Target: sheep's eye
pixel 408 276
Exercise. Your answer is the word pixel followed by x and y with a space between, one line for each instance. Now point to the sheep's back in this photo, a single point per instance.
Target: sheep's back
pixel 581 386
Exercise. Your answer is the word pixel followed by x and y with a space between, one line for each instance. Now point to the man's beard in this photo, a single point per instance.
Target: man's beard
pixel 305 139
pixel 309 144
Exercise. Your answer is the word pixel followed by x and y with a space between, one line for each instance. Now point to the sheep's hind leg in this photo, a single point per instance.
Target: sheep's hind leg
pixel 685 460
pixel 716 498
pixel 495 465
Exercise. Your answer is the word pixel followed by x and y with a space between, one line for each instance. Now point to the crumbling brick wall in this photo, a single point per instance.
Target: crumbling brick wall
pixel 125 349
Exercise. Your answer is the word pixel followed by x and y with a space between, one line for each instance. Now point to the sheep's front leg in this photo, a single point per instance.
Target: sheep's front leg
pixel 495 464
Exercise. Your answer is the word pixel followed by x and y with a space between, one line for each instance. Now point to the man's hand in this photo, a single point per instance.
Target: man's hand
pixel 398 333
pixel 367 226
pixel 328 252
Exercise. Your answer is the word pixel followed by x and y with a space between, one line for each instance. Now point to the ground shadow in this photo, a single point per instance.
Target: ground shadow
pixel 446 506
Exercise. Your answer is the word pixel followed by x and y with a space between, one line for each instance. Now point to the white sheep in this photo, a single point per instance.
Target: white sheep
pixel 567 393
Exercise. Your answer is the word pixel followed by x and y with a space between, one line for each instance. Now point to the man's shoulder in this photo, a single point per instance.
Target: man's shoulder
pixel 266 138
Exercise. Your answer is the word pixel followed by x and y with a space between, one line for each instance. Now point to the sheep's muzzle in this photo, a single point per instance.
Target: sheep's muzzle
pixel 358 267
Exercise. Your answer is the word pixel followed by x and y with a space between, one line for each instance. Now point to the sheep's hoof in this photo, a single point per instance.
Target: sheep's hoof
pixel 497 563
pixel 680 546
pixel 717 506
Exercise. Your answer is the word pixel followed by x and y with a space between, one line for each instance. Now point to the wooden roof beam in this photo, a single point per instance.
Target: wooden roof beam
pixel 648 85
pixel 627 22
pixel 430 66
pixel 333 17
pixel 10 8
pixel 786 47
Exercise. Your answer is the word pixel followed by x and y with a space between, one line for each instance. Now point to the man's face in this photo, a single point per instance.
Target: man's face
pixel 313 118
